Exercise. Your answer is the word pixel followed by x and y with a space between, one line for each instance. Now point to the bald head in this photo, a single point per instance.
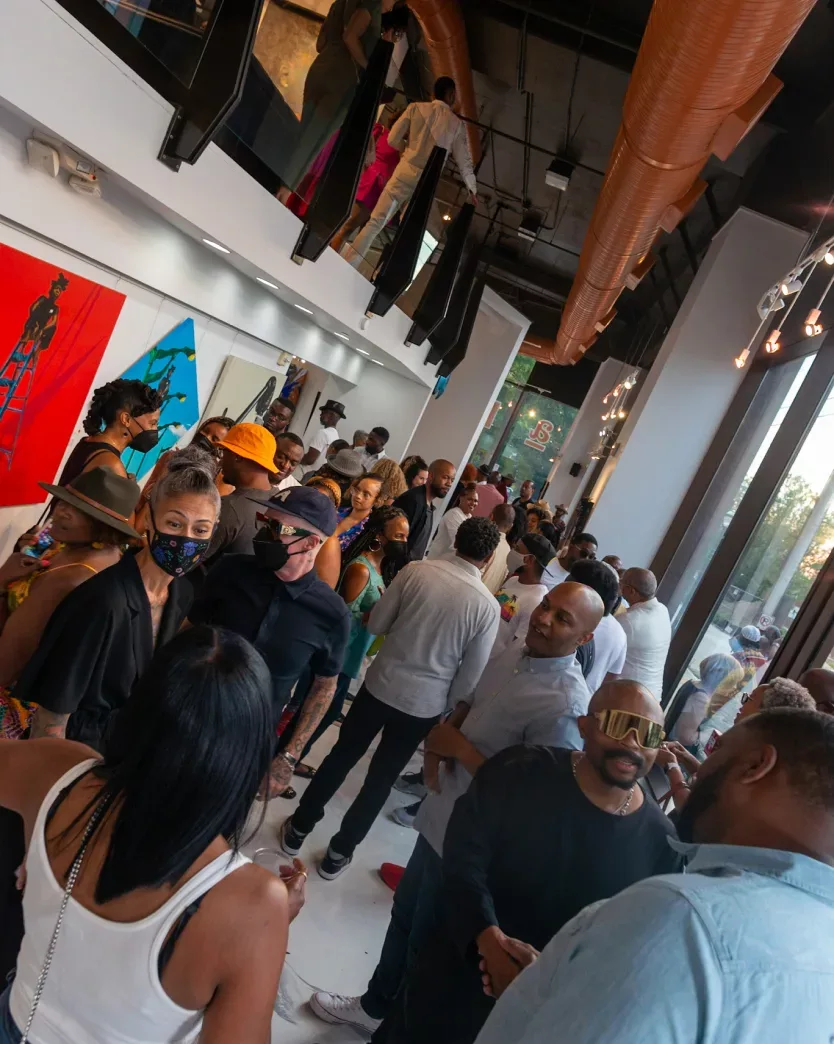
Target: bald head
pixel 441 479
pixel 504 517
pixel 820 684
pixel 628 696
pixel 639 585
pixel 565 619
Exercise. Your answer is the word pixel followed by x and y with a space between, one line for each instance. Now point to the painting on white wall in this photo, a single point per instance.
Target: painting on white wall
pixel 244 391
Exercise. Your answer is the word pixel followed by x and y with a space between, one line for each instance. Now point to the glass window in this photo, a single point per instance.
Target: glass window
pixel 174 31
pixel 535 438
pixel 778 567
pixel 756 438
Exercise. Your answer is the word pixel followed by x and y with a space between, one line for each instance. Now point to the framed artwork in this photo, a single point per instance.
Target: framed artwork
pixel 170 367
pixel 294 381
pixel 54 328
pixel 244 391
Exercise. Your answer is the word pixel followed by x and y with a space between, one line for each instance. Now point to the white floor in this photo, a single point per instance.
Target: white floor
pixel 337 937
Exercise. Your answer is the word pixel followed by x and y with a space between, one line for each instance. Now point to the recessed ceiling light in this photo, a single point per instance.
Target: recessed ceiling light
pixel 301 308
pixel 377 362
pixel 266 282
pixel 362 352
pixel 343 336
pixel 216 246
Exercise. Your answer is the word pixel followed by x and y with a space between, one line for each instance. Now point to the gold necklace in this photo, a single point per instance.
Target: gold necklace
pixel 623 809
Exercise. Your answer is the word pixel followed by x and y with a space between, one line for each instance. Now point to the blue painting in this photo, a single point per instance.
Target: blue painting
pixel 170 367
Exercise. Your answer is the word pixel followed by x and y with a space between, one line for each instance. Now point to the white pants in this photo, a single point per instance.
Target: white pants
pixel 396 194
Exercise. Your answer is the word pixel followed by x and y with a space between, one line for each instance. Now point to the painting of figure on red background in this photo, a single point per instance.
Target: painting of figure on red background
pixel 54 328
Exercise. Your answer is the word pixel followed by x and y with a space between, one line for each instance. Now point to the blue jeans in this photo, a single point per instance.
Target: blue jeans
pixel 9 1033
pixel 412 921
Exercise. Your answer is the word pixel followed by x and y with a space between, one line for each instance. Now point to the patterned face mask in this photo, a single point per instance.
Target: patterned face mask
pixel 176 555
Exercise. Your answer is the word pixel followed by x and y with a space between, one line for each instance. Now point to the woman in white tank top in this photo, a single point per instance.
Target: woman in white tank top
pixel 169 933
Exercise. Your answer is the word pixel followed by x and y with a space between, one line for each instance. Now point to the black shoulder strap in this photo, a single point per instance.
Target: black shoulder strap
pixel 585 655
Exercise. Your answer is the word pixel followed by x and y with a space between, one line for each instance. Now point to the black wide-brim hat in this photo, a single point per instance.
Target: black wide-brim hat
pixel 103 495
pixel 337 407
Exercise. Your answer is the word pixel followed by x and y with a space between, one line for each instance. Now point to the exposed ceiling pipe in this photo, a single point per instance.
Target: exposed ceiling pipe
pixel 445 36
pixel 701 80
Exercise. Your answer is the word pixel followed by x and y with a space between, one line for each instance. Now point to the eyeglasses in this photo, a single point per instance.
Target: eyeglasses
pixel 746 698
pixel 617 724
pixel 280 529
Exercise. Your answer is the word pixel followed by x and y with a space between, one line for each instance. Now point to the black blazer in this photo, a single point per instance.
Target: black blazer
pixel 420 518
pixel 96 645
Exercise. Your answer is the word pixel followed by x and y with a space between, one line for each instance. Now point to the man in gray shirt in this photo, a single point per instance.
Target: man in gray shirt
pixel 440 622
pixel 533 693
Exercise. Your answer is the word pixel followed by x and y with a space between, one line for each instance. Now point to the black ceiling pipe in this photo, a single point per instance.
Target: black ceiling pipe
pixel 432 306
pixel 396 271
pixel 336 190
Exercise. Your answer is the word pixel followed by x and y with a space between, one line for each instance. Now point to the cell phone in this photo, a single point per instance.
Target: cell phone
pixel 43 542
pixel 712 742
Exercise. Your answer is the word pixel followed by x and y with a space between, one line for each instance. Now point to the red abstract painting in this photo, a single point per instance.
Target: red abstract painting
pixel 54 327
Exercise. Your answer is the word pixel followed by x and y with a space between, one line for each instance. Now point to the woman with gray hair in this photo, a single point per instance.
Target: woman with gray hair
pixel 102 637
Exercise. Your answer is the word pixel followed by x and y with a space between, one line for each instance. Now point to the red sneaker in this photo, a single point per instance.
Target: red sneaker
pixel 391 874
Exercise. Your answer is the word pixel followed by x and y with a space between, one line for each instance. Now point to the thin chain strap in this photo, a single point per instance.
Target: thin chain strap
pixel 72 877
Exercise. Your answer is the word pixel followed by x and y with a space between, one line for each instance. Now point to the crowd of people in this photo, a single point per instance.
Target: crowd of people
pixel 169 657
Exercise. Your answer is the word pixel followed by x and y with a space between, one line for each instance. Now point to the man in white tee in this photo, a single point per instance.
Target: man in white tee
pixel 522 591
pixel 422 126
pixel 609 644
pixel 287 458
pixel 647 629
pixel 329 415
pixel 582 545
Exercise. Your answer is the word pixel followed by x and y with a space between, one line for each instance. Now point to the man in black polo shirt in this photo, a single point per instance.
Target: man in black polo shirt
pixel 275 600
pixel 418 505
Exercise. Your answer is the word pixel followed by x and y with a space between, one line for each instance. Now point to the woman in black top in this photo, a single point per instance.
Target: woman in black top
pixel 121 414
pixel 103 635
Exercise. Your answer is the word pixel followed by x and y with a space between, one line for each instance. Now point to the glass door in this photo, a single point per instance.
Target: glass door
pixel 781 559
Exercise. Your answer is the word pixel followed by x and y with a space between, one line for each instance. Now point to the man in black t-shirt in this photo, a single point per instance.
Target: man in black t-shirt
pixel 275 600
pixel 541 833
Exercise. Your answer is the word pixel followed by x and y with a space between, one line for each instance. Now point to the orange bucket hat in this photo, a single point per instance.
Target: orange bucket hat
pixel 253 442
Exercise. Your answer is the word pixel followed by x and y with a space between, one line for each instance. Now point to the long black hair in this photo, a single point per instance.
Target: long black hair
pixel 374 528
pixel 109 400
pixel 184 761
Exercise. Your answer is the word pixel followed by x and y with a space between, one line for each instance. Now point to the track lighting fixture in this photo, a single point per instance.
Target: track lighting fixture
pixel 828 257
pixel 789 287
pixel 741 360
pixel 812 323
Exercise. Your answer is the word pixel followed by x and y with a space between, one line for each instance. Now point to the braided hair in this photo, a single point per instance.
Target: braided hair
pixel 374 528
pixel 111 399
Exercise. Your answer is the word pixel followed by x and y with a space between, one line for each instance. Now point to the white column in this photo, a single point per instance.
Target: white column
pixel 690 387
pixel 450 425
pixel 583 437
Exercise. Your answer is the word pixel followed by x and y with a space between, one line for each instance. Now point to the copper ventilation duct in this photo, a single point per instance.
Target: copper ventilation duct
pixel 445 36
pixel 701 80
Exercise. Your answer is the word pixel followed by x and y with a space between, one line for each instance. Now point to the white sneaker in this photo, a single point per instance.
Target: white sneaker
pixel 346 1011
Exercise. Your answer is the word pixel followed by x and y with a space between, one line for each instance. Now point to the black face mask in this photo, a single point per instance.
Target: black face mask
pixel 203 442
pixel 270 552
pixel 145 441
pixel 396 551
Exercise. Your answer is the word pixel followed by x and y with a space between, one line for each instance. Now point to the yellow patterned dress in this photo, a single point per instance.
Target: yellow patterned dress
pixel 16 715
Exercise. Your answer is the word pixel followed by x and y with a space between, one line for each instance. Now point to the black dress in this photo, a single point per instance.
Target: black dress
pixel 81 454
pixel 97 643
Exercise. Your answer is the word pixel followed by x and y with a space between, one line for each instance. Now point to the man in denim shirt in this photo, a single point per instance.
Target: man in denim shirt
pixel 740 949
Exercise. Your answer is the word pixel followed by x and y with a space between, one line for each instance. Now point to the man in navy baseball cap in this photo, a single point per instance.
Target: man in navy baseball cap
pixel 275 600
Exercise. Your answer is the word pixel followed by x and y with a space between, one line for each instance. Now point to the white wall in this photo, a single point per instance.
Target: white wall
pixel 145 318
pixel 83 94
pixel 583 438
pixel 690 386
pixel 126 236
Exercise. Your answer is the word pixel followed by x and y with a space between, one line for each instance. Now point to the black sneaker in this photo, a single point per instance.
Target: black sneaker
pixel 412 783
pixel 289 839
pixel 333 865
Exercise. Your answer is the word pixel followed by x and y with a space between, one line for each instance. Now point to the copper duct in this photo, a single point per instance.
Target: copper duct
pixel 445 36
pixel 701 79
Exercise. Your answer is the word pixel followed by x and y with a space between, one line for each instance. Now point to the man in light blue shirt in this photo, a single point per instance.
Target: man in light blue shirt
pixel 532 693
pixel 740 949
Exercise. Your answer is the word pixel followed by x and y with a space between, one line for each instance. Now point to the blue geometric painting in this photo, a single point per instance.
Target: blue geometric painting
pixel 170 367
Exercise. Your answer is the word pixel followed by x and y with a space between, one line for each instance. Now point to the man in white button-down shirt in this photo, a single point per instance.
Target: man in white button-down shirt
pixel 422 126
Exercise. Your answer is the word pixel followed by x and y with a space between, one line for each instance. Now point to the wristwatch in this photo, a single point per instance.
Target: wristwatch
pixel 290 760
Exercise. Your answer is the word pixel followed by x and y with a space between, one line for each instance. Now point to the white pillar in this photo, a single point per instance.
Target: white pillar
pixel 690 386
pixel 583 437
pixel 450 425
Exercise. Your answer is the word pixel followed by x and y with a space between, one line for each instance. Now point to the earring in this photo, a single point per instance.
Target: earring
pixel 375 545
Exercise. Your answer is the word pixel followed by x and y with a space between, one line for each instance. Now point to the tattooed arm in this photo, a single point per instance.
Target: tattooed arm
pixel 48 724
pixel 312 711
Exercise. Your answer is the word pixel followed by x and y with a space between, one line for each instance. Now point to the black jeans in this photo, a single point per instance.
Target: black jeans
pixel 401 735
